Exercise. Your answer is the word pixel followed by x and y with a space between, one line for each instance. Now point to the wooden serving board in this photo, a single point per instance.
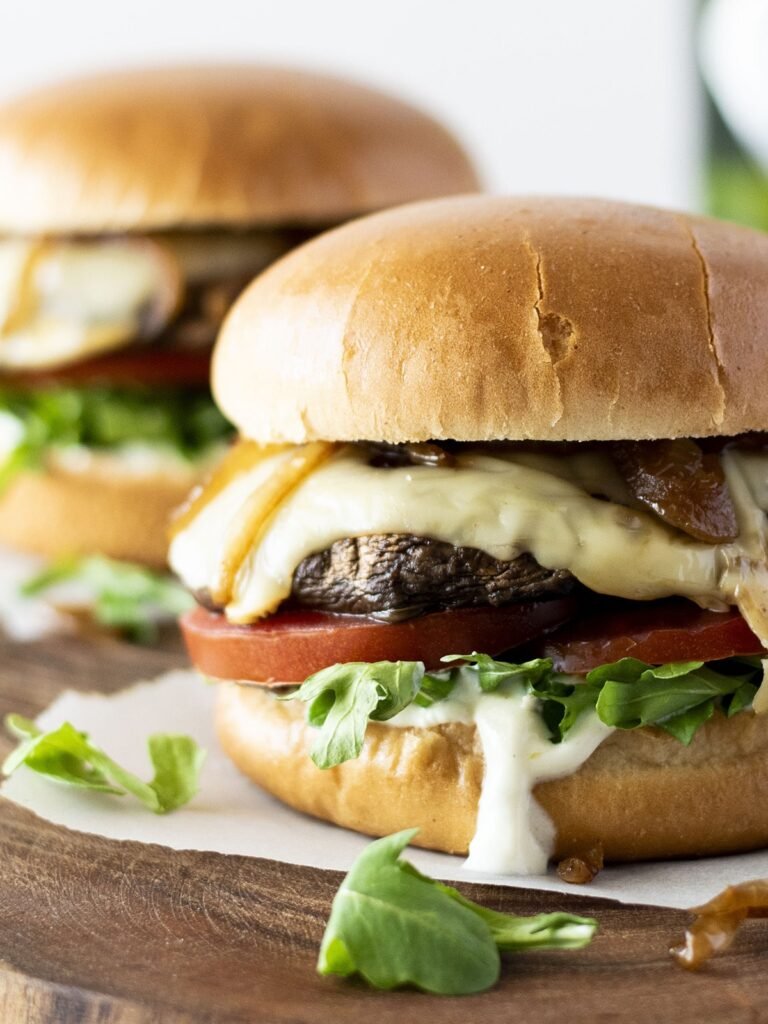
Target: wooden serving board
pixel 93 930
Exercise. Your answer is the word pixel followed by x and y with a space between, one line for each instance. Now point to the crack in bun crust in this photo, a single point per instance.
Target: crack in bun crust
pixel 479 318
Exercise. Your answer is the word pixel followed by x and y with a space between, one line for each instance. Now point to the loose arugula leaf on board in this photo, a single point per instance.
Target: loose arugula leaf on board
pixel 540 931
pixel 394 926
pixel 127 597
pixel 66 755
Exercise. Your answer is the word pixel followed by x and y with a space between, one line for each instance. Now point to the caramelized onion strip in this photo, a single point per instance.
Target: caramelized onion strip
pixel 260 507
pixel 241 458
pixel 717 922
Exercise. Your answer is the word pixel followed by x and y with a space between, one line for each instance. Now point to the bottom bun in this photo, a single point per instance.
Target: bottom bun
pixel 642 794
pixel 124 516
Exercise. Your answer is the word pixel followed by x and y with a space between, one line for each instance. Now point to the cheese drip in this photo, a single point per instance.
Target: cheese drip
pixel 62 300
pixel 502 503
pixel 513 833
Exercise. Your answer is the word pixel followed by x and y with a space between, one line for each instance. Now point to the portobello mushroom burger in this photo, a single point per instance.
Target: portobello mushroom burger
pixel 490 557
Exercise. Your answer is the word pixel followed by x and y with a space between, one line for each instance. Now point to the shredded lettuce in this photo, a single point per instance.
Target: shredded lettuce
pixel 394 926
pixel 627 694
pixel 67 756
pixel 102 417
pixel 126 597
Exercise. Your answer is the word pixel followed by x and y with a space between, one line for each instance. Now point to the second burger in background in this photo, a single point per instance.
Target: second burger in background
pixel 134 207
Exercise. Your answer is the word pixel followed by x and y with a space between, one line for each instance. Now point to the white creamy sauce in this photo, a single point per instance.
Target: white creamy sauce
pixel 760 701
pixel 458 707
pixel 504 505
pixel 513 834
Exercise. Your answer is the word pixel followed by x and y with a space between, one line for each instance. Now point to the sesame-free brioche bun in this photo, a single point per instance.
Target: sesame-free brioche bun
pixel 642 794
pixel 228 145
pixel 56 513
pixel 478 318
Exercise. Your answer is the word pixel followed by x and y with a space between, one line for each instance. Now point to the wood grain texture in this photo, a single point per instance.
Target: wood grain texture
pixel 99 932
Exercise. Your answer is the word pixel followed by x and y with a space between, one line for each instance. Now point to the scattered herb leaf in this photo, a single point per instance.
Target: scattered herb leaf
pixel 126 597
pixel 67 756
pixel 395 926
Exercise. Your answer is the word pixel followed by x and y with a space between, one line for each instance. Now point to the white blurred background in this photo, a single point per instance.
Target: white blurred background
pixel 574 96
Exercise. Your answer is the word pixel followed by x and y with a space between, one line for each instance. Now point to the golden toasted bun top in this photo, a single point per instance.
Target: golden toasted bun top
pixel 478 318
pixel 215 145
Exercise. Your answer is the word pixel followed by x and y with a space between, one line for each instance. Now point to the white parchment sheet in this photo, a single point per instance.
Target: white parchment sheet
pixel 231 815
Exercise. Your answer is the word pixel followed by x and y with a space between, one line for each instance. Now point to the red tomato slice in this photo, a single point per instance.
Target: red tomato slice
pixel 658 633
pixel 289 646
pixel 150 367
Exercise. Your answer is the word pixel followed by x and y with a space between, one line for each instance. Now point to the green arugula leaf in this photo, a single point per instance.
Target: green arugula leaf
pixel 629 670
pixel 541 931
pixel 67 755
pixel 492 674
pixel 342 698
pixel 125 596
pixel 685 725
pixel 562 702
pixel 741 699
pixel 634 694
pixel 679 697
pixel 63 754
pixel 395 926
pixel 434 688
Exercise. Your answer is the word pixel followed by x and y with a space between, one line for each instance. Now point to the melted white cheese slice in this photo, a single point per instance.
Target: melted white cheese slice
pixel 14 258
pixel 504 504
pixel 201 547
pixel 68 299
pixel 63 300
